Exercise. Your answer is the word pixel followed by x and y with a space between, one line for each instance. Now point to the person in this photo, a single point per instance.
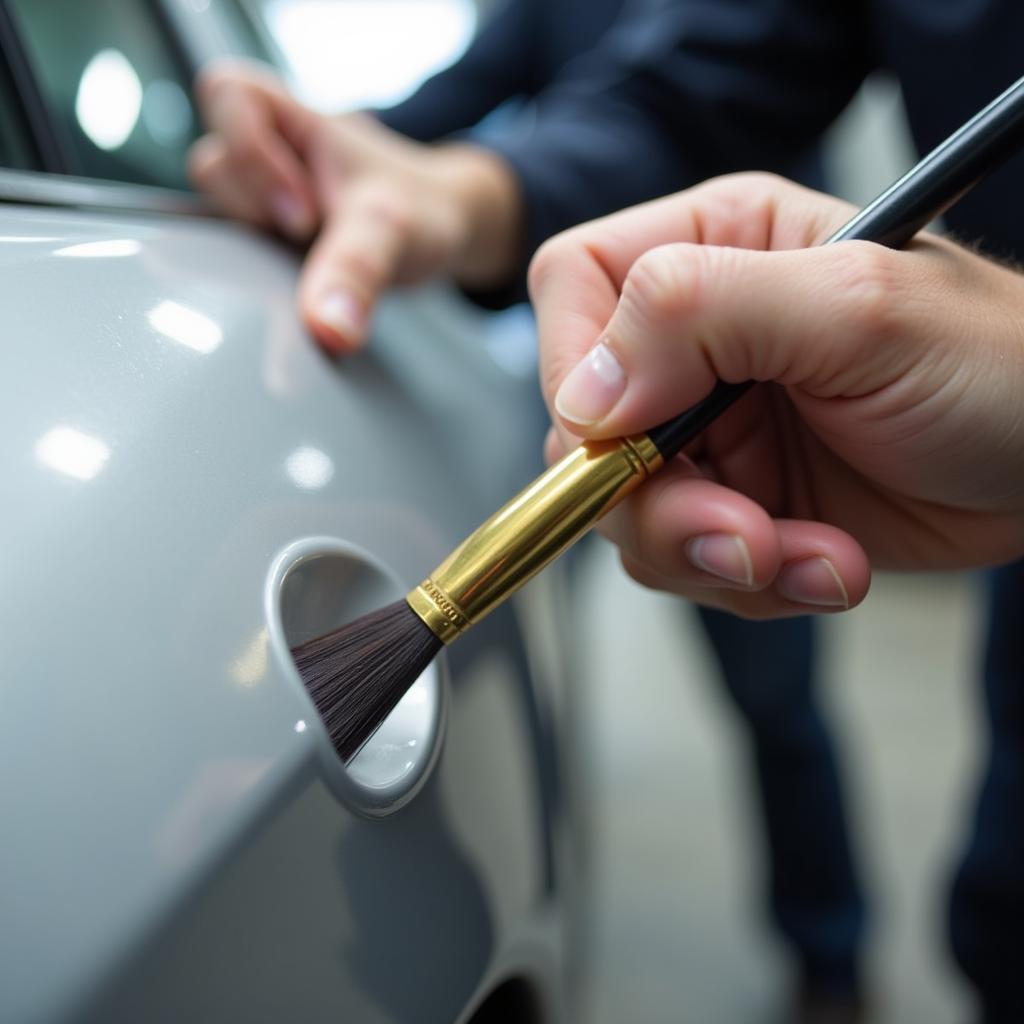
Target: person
pixel 793 67
pixel 696 88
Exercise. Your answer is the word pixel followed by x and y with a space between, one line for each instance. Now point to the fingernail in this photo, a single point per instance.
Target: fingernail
pixel 291 216
pixel 724 555
pixel 813 581
pixel 592 388
pixel 339 311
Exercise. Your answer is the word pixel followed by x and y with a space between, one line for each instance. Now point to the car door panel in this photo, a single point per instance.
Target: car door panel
pixel 176 854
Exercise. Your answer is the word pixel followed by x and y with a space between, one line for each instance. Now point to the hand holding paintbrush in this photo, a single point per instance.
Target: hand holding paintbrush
pixel 888 437
pixel 907 454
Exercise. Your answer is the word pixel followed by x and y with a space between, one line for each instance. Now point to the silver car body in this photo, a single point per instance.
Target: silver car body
pixel 188 484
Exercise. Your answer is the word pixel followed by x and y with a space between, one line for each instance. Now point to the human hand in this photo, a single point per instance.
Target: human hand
pixel 891 432
pixel 384 210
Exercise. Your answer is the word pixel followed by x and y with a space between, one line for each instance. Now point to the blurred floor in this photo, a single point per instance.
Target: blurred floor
pixel 675 931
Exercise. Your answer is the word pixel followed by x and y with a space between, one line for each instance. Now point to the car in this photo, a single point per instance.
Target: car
pixel 190 487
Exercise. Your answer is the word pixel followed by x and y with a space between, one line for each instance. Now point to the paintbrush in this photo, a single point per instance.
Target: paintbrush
pixel 358 673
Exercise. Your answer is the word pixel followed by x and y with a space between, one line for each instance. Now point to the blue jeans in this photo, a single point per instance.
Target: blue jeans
pixel 987 906
pixel 814 894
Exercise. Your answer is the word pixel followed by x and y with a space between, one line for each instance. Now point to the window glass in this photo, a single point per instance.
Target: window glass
pixel 16 149
pixel 112 81
pixel 346 54
pixel 249 35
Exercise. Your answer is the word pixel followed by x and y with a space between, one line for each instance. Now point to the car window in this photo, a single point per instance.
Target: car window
pixel 113 84
pixel 16 150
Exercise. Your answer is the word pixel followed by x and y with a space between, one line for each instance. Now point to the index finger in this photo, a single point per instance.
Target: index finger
pixel 576 278
pixel 353 260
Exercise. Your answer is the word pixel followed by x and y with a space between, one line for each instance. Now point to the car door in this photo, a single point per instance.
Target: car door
pixel 189 486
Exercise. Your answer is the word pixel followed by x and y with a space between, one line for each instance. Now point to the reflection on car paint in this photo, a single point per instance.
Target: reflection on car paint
pixel 72 452
pixel 310 468
pixel 251 665
pixel 186 326
pixel 105 249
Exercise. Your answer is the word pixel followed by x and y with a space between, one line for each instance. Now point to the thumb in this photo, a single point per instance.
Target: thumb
pixel 690 314
pixel 355 257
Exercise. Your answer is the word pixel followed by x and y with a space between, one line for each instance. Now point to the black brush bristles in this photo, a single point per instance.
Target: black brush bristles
pixel 357 673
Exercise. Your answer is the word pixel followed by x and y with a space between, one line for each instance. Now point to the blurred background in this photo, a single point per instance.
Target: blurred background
pixel 672 927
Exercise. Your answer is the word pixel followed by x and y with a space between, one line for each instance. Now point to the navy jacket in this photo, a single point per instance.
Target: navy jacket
pixel 682 90
pixel 517 53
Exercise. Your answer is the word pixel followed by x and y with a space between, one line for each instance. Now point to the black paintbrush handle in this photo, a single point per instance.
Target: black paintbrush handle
pixel 921 195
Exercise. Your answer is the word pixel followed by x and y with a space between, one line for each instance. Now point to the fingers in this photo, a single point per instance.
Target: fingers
pixel 210 170
pixel 249 163
pixel 355 257
pixel 819 320
pixel 696 531
pixel 273 162
pixel 573 297
pixel 576 278
pixel 690 536
pixel 820 573
pixel 739 560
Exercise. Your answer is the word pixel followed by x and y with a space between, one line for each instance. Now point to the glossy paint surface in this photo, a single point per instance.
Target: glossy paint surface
pixel 170 848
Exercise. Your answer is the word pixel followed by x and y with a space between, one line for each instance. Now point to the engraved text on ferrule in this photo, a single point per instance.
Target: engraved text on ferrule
pixel 444 604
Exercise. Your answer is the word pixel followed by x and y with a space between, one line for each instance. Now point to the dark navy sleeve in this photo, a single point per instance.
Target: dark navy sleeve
pixel 501 62
pixel 681 93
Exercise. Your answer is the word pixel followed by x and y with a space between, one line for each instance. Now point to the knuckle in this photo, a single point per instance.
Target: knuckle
pixel 202 161
pixel 247 146
pixel 640 573
pixel 868 282
pixel 664 283
pixel 220 86
pixel 394 213
pixel 545 262
pixel 383 205
pixel 744 191
pixel 762 182
pixel 359 264
pixel 233 71
pixel 742 185
pixel 209 78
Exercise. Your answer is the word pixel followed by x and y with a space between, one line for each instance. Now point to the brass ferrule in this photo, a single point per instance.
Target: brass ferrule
pixel 532 530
